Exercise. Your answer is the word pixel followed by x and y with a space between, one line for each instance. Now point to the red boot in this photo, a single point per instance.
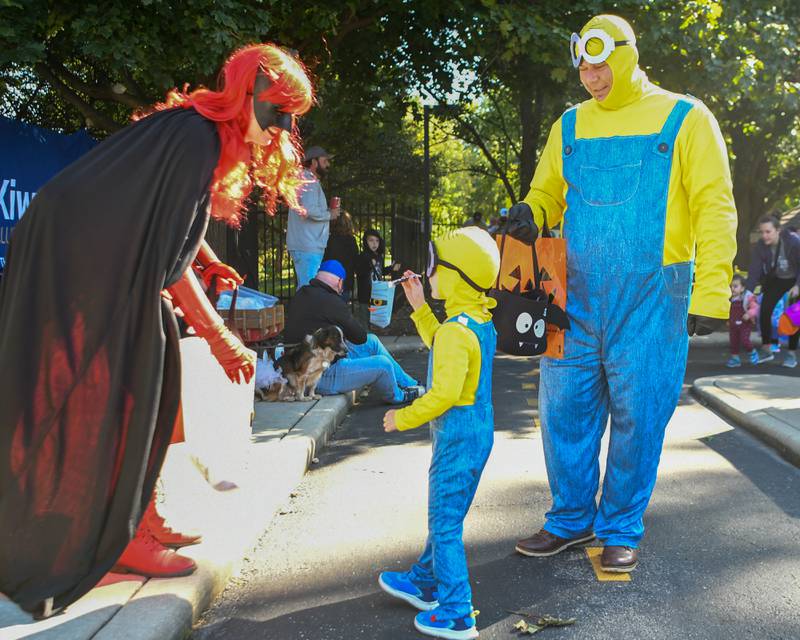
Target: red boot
pixel 163 533
pixel 145 556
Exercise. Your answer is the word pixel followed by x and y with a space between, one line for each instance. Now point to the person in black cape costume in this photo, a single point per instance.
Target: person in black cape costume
pixel 88 344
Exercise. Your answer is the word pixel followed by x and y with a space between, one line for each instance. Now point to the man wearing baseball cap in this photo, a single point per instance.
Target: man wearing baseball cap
pixel 320 304
pixel 307 233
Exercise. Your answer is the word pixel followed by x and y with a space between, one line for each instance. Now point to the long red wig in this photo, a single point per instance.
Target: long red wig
pixel 275 167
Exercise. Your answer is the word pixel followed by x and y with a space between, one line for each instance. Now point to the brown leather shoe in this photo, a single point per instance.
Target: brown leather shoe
pixel 544 543
pixel 619 559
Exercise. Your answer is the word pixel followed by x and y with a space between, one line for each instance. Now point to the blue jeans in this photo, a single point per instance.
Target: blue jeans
pixel 368 363
pixel 306 265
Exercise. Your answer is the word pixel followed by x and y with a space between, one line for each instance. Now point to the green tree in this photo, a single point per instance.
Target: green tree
pixel 65 65
pixel 506 77
pixel 740 58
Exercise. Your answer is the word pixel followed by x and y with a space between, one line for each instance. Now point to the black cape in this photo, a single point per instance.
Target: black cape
pixel 89 351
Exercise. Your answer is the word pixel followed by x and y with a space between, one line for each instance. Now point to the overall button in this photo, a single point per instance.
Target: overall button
pixel 567 150
pixel 663 147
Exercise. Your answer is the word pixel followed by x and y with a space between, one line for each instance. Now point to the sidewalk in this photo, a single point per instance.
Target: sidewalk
pixel 766 405
pixel 286 438
pixel 402 344
pixel 716 339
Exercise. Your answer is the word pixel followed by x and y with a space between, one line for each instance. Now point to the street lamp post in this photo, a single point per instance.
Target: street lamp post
pixel 428 226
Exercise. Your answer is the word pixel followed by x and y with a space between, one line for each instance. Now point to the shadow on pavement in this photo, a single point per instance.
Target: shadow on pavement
pixel 774 477
pixel 364 426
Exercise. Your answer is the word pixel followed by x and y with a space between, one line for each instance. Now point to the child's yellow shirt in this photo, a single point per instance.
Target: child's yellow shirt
pixel 456 366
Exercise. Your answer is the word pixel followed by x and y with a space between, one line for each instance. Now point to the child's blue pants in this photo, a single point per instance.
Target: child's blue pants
pixel 462 440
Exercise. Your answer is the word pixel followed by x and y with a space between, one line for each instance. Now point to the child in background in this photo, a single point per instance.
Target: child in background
pixel 741 323
pixel 370 266
pixel 463 266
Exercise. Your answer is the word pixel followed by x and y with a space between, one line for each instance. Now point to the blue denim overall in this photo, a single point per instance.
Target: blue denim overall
pixel 462 440
pixel 625 354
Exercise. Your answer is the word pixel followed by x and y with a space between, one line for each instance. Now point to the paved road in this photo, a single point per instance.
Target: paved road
pixel 721 559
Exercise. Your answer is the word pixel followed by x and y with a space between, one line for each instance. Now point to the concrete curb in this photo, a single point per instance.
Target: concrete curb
pixel 783 437
pixel 402 344
pixel 167 609
pixel 717 339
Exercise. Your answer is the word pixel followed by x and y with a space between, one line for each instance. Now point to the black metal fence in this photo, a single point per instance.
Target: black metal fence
pixel 258 249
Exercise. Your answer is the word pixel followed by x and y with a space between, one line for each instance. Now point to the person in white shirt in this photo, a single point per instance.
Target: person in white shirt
pixel 307 235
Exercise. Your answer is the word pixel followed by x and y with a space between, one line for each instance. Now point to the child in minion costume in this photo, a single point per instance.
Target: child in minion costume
pixel 462 268
pixel 639 178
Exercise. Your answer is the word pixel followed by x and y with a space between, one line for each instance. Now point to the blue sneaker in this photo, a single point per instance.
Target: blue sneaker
pixel 399 585
pixel 754 357
pixel 735 361
pixel 766 355
pixel 429 623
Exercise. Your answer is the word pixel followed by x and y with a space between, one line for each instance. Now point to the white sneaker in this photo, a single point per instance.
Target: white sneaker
pixel 790 360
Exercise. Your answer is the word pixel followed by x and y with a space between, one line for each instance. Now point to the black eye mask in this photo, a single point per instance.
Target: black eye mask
pixel 266 113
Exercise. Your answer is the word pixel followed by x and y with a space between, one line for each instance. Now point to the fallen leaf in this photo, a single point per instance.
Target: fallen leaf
pixel 542 622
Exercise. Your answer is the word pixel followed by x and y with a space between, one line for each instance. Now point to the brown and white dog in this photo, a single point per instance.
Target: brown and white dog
pixel 303 364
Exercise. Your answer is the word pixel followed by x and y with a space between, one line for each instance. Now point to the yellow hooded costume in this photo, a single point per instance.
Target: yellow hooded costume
pixel 641 183
pixel 456 351
pixel 700 208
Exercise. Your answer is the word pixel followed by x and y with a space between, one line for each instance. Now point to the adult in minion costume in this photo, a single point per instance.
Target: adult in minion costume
pixel 639 178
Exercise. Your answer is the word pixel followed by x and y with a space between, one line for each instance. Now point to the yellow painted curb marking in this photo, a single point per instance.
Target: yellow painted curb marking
pixel 532 402
pixel 528 385
pixel 594 553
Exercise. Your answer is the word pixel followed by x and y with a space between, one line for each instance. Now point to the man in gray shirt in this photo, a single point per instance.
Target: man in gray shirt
pixel 307 235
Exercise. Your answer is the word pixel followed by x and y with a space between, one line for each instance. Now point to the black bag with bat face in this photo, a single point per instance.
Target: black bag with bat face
pixel 521 318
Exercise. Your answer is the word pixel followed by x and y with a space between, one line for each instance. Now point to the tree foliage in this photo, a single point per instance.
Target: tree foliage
pixel 496 73
pixel 740 58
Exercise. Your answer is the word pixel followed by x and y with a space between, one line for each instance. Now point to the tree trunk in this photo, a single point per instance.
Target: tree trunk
pixel 531 103
pixel 750 180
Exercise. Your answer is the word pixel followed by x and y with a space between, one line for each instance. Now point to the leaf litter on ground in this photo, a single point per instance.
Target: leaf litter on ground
pixel 540 622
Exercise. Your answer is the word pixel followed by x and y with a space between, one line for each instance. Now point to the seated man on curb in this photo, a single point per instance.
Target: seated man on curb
pixel 319 304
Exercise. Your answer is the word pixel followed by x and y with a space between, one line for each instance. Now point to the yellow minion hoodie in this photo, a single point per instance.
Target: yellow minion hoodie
pixel 456 350
pixel 701 214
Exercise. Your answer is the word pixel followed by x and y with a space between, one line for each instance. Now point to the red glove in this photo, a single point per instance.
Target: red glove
pixel 227 277
pixel 198 312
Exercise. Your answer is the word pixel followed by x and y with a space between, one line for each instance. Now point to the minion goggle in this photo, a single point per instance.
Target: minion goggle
pixel 578 44
pixel 435 261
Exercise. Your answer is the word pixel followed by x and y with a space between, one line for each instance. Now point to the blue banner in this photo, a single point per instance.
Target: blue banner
pixel 29 157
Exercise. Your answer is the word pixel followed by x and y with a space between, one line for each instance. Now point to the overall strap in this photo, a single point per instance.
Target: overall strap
pixel 463 318
pixel 469 323
pixel 665 140
pixel 568 130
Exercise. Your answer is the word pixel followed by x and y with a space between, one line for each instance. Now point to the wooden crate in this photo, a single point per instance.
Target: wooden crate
pixel 259 324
